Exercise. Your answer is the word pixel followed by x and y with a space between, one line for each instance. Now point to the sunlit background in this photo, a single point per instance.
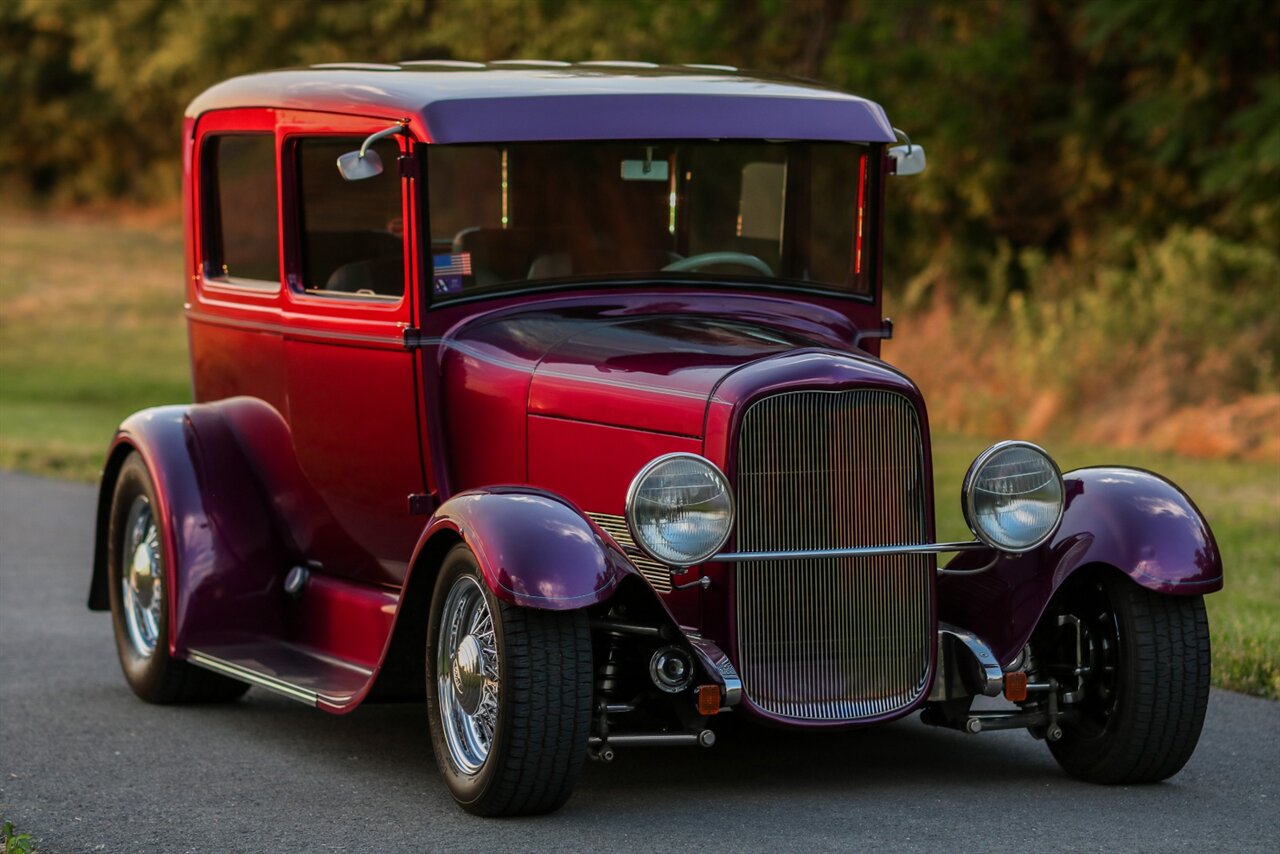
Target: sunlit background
pixel 1091 260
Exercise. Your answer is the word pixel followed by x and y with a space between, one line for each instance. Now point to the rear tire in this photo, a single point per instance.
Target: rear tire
pixel 1145 700
pixel 138 564
pixel 508 695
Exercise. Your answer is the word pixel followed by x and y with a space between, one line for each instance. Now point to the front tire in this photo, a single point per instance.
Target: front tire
pixel 1148 686
pixel 508 695
pixel 137 570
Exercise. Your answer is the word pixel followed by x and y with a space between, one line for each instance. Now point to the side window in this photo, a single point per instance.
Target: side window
pixel 241 243
pixel 351 233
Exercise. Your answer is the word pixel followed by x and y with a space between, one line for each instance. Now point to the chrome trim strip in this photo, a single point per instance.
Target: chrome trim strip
pixel 244 674
pixel 860 551
pixel 294 332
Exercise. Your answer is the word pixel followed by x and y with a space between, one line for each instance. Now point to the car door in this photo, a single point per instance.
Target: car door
pixel 233 254
pixel 353 405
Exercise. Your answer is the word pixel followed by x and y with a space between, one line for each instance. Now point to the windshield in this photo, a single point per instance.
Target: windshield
pixel 506 217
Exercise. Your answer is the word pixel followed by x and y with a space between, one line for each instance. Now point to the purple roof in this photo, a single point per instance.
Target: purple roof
pixel 528 101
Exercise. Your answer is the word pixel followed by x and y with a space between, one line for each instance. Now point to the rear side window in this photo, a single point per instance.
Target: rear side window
pixel 241 242
pixel 352 232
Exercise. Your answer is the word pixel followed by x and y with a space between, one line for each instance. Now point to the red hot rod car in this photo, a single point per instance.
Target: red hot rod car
pixel 552 394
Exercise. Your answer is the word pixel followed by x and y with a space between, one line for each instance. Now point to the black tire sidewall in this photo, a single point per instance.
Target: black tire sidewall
pixel 1121 750
pixel 145 675
pixel 466 788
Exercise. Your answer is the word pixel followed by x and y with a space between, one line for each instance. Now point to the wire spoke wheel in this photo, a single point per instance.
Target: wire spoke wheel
pixel 467 675
pixel 142 578
pixel 139 580
pixel 508 694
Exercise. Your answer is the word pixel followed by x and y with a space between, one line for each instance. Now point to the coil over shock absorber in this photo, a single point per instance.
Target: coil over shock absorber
pixel 608 683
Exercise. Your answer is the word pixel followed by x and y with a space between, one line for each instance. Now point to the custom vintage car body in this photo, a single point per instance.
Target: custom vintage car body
pixel 558 401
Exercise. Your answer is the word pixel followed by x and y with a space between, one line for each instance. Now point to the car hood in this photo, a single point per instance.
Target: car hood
pixel 652 371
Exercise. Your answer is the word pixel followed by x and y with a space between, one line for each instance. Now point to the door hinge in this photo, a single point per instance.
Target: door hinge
pixel 413 338
pixel 422 505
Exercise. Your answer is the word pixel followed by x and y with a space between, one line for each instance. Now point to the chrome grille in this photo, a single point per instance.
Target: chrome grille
pixel 844 638
pixel 616 526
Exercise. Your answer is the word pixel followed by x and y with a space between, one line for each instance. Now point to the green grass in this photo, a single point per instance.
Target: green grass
pixel 12 842
pixel 91 330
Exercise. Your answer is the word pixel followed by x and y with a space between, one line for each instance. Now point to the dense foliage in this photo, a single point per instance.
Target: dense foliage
pixel 1043 118
pixel 1073 144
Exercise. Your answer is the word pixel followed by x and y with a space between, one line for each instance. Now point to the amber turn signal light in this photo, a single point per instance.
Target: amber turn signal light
pixel 1015 686
pixel 708 699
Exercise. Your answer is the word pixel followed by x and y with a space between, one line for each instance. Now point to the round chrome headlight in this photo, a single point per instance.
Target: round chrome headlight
pixel 680 509
pixel 1013 496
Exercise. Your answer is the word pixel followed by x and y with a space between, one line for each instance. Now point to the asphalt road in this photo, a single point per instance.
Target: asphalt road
pixel 84 766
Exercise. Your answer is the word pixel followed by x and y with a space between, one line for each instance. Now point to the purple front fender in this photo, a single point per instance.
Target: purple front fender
pixel 1131 520
pixel 535 549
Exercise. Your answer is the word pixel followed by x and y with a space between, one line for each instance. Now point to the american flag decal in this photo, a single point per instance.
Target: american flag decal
pixel 449 272
pixel 458 264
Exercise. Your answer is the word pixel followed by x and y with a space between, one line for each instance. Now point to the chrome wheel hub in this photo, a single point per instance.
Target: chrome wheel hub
pixel 142 578
pixel 467 676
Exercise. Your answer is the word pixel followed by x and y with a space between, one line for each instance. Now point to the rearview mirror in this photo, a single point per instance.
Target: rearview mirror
pixel 644 170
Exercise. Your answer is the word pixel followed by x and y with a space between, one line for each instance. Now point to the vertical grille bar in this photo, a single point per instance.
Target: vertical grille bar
pixel 839 638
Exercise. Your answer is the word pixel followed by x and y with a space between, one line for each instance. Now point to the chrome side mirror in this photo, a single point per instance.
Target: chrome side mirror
pixel 365 163
pixel 356 165
pixel 907 159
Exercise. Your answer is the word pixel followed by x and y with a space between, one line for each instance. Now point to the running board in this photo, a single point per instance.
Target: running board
pixel 291 670
pixel 253 677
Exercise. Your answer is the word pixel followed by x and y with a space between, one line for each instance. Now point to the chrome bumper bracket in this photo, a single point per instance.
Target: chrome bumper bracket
pixel 988 677
pixel 715 661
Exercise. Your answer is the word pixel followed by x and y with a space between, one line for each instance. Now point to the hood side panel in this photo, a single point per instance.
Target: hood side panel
pixel 485 398
pixel 594 463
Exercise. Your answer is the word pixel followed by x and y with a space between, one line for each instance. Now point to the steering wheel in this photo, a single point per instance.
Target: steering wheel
pixel 708 259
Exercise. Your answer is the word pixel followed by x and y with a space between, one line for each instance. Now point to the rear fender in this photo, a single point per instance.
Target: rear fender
pixel 535 549
pixel 1133 521
pixel 225 558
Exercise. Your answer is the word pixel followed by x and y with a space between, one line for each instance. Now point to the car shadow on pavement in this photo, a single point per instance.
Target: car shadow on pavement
pixel 392 741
